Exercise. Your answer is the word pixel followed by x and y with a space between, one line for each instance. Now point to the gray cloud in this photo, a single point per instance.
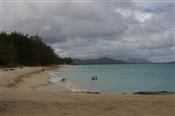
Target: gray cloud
pixel 96 29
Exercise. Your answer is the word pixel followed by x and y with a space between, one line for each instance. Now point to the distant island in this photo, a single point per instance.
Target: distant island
pixel 104 60
pixel 173 62
pixel 137 61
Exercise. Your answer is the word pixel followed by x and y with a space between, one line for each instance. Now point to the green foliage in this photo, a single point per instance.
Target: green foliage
pixel 67 60
pixel 18 48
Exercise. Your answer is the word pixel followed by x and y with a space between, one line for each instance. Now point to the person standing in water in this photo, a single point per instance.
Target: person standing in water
pixel 94 78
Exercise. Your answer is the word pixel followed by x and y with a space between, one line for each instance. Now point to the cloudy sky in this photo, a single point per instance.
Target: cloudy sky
pixel 92 29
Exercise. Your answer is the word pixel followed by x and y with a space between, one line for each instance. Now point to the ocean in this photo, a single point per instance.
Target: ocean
pixel 117 78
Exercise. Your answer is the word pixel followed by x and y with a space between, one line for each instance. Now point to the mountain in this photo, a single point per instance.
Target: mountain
pixel 103 60
pixel 172 62
pixel 137 61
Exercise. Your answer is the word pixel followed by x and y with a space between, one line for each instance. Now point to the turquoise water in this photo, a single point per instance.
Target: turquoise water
pixel 122 77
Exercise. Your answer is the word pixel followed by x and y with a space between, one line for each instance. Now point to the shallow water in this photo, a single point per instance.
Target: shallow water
pixel 119 77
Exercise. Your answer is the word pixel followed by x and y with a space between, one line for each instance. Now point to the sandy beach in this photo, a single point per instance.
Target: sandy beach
pixel 20 98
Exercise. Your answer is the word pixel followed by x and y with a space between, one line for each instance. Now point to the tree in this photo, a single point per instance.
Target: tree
pixel 18 48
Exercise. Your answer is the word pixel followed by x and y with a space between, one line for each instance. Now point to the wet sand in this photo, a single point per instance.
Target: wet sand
pixel 22 100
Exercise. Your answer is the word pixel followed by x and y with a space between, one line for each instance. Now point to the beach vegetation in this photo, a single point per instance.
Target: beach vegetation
pixel 21 49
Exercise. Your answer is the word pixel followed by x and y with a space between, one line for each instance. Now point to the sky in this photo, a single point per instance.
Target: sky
pixel 85 29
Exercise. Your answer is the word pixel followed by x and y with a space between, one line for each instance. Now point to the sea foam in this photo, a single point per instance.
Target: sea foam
pixel 55 79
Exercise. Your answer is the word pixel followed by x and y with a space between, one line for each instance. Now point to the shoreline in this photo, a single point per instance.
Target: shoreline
pixel 37 79
pixel 71 86
pixel 27 77
pixel 23 99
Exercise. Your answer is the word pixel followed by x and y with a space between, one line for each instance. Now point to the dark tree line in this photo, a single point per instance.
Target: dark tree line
pixel 20 49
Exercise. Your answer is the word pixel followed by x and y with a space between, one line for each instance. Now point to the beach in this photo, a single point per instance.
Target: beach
pixel 19 97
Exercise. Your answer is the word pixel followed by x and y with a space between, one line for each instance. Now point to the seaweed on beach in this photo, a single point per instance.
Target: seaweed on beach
pixel 154 93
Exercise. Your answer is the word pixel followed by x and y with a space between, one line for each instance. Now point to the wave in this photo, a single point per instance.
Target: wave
pixel 54 79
